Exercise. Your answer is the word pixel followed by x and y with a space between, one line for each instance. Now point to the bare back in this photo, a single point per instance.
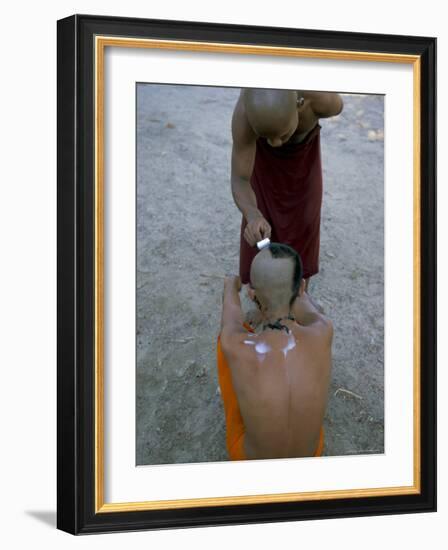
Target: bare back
pixel 281 381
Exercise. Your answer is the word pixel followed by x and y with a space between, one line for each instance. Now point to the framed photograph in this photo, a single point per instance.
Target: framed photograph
pixel 246 274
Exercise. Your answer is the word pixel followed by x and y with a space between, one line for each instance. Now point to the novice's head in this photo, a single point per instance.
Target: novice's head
pixel 275 276
pixel 272 114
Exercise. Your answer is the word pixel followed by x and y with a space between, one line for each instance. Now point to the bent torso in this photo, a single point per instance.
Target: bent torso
pixel 281 382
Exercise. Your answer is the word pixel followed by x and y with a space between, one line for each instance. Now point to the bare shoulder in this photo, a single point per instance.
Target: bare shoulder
pixel 240 355
pixel 242 132
pixel 325 326
pixel 232 341
pixel 319 328
pixel 325 104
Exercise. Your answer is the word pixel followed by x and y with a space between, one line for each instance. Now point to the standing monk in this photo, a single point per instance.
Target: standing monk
pixel 276 172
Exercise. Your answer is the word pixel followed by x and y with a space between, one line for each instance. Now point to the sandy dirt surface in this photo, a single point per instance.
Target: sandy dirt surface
pixel 188 238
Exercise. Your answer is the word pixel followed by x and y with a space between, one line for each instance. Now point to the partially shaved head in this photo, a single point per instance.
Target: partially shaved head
pixel 271 113
pixel 275 275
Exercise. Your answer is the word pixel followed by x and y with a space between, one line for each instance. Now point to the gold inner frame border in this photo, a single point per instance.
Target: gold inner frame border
pixel 100 43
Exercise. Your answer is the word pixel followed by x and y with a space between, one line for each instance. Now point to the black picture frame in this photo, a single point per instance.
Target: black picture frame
pixel 76 286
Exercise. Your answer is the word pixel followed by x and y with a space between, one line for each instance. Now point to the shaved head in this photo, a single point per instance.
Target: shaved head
pixel 270 112
pixel 275 275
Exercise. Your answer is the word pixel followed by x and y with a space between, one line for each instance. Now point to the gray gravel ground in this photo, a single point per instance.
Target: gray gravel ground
pixel 188 238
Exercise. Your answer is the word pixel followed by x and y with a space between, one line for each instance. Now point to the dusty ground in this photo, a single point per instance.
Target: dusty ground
pixel 187 237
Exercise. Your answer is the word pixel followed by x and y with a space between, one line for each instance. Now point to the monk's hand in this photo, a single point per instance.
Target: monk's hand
pixel 256 230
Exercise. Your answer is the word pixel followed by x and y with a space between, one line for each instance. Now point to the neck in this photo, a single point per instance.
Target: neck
pixel 273 315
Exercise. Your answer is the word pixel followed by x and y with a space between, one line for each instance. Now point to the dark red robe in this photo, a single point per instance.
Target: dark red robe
pixel 287 182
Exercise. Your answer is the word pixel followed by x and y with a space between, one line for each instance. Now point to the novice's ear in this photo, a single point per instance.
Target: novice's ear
pixel 301 288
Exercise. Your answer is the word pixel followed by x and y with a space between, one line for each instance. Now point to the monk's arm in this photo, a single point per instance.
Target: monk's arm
pixel 243 159
pixel 326 104
pixel 232 316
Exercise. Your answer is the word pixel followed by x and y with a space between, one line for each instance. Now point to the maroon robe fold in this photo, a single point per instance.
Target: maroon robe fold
pixel 287 182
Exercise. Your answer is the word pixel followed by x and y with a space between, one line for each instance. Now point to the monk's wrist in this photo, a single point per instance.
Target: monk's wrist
pixel 253 214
